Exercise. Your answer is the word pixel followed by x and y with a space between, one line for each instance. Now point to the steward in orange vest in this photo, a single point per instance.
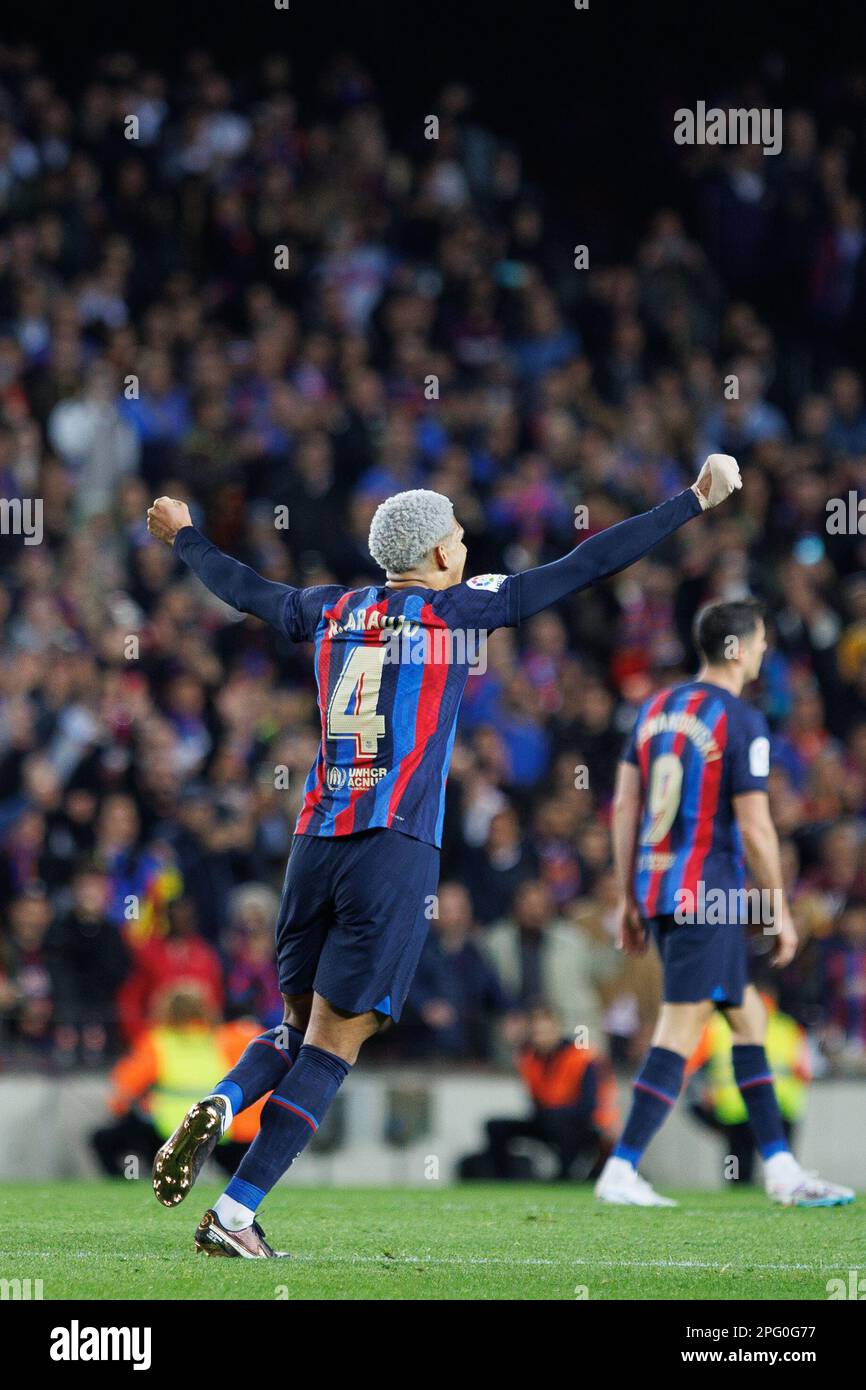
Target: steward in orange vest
pixel 171 1064
pixel 574 1102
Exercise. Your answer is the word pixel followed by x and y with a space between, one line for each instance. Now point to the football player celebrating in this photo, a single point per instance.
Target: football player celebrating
pixel 364 864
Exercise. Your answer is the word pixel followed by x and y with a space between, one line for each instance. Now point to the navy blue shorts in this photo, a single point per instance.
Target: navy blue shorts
pixel 354 917
pixel 701 962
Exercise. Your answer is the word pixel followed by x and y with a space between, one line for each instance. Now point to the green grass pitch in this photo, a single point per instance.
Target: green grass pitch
pixel 112 1240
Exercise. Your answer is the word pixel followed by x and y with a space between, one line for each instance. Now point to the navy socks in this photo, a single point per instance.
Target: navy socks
pixel 755 1081
pixel 655 1093
pixel 262 1066
pixel 290 1118
pixel 658 1085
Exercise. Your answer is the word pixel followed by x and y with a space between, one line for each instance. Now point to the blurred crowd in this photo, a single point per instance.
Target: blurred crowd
pixel 250 303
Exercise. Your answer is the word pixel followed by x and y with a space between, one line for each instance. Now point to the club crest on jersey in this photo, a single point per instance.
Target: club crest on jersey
pixel 494 582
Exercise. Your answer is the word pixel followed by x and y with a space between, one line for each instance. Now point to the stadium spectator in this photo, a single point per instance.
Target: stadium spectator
pixel 26 991
pixel 87 962
pixel 845 988
pixel 250 979
pixel 495 872
pixel 160 963
pixel 171 1061
pixel 456 996
pixel 574 1107
pixel 543 959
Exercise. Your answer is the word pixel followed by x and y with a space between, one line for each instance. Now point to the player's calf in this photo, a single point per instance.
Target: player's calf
pixel 261 1068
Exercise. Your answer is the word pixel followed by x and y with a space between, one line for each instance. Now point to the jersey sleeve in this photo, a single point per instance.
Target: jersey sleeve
pixel 602 555
pixel 303 608
pixel 486 602
pixel 629 752
pixel 749 752
pixel 295 612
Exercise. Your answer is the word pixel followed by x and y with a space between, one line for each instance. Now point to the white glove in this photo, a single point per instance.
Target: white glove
pixel 719 477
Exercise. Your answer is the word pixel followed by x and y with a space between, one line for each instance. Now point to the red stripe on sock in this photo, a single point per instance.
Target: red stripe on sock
pixel 266 1042
pixel 275 1100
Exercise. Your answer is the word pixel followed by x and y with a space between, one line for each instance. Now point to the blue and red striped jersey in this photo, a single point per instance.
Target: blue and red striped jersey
pixel 696 746
pixel 391 667
pixel 392 664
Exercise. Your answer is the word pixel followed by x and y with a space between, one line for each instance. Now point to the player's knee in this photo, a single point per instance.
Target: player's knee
pixel 749 1023
pixel 340 1032
pixel 747 1032
pixel 680 1026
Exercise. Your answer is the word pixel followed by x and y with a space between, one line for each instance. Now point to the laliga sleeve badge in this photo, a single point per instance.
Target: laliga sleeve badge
pixel 493 582
pixel 759 757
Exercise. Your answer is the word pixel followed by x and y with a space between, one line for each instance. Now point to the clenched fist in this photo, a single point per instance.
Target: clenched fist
pixel 166 517
pixel 719 477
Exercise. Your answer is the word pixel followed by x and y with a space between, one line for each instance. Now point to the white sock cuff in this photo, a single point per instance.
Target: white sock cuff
pixel 233 1215
pixel 230 1114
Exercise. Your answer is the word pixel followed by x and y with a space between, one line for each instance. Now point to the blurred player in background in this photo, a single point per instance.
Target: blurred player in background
pixel 392 661
pixel 691 796
pixel 722 1108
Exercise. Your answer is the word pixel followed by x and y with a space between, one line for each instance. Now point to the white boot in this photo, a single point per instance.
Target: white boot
pixel 622 1185
pixel 792 1186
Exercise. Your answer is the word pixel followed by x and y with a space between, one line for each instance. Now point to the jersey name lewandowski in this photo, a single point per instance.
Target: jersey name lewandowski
pixel 391 667
pixel 696 747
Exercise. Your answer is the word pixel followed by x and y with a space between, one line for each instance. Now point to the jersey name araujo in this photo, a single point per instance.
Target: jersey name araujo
pixel 370 620
pixel 677 722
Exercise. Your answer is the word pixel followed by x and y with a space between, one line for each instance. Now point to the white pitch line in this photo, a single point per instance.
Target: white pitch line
pixel 308 1257
pixel 561 1264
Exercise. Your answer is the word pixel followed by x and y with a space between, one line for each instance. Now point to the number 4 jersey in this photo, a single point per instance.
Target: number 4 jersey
pixel 696 747
pixel 391 667
pixel 392 664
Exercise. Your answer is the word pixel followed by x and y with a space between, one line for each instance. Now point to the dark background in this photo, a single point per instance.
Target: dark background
pixel 581 93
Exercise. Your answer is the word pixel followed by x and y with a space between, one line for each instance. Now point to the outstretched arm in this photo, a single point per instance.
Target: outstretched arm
pixel 619 546
pixel 231 581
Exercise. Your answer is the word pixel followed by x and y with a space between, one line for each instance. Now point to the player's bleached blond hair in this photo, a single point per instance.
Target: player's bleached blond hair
pixel 407 526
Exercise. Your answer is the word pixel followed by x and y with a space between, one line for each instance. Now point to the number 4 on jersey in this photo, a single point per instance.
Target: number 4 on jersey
pixel 359 685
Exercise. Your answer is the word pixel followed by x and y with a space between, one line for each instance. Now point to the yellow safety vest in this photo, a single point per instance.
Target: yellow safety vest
pixel 189 1063
pixel 784 1045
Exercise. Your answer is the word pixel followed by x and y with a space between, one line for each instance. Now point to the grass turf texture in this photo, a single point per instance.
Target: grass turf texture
pixel 112 1240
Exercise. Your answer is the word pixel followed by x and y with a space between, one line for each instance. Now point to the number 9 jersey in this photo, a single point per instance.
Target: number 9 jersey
pixel 391 667
pixel 696 747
